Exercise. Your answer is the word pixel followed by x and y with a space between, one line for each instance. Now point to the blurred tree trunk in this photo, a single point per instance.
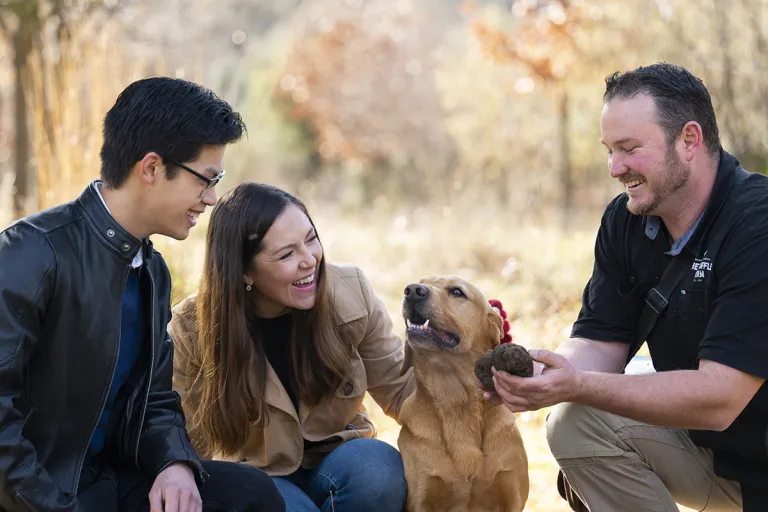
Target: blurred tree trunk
pixel 740 131
pixel 755 158
pixel 761 45
pixel 23 181
pixel 566 166
pixel 552 25
pixel 28 38
pixel 376 179
pixel 727 95
pixel 733 70
pixel 502 188
pixel 757 22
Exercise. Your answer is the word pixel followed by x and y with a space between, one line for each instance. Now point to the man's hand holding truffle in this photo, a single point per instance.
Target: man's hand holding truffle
pixel 557 381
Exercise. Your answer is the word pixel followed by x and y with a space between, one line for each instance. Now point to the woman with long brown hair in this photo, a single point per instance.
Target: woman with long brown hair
pixel 275 352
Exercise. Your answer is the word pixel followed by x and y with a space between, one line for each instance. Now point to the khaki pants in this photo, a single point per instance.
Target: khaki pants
pixel 620 465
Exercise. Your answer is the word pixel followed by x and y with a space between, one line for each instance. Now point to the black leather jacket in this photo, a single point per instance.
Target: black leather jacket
pixel 62 275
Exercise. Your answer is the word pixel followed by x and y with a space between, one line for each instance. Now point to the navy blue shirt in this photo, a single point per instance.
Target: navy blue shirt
pixel 131 335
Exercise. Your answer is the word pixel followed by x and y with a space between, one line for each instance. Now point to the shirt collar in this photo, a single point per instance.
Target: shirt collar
pixel 653 226
pixel 725 180
pixel 138 260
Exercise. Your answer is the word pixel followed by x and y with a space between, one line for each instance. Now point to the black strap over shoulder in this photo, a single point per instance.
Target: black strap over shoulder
pixel 657 299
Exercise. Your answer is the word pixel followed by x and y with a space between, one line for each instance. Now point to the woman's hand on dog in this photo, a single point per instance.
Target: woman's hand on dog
pixel 554 381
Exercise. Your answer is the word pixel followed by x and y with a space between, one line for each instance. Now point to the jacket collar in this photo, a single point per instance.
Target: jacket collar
pixel 108 229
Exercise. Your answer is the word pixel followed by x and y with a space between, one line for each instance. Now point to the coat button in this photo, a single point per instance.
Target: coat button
pixel 126 247
pixel 350 427
pixel 347 388
pixel 110 233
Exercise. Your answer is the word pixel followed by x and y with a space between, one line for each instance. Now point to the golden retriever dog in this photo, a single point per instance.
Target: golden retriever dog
pixel 460 452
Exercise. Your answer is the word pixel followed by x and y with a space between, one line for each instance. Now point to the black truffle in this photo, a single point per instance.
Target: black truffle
pixel 507 357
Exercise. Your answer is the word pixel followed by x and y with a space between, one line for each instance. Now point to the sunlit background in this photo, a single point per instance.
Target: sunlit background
pixel 429 136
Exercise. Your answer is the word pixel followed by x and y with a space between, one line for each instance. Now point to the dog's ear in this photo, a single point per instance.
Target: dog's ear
pixel 498 309
pixel 407 360
pixel 495 326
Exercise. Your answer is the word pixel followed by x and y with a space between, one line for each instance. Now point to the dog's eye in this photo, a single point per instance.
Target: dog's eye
pixel 457 292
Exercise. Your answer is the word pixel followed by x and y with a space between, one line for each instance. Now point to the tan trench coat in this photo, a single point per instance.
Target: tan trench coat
pixel 375 367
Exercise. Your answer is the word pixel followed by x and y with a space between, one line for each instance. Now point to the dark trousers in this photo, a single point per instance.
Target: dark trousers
pixel 229 488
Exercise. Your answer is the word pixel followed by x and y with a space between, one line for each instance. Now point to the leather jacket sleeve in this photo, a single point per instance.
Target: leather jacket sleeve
pixel 27 273
pixel 164 438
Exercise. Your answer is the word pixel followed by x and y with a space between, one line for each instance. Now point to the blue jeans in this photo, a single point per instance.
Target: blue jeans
pixel 362 474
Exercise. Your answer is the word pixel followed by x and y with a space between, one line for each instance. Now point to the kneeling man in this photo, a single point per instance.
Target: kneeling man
pixel 694 432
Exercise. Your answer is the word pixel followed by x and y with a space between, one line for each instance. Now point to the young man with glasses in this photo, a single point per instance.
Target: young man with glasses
pixel 88 418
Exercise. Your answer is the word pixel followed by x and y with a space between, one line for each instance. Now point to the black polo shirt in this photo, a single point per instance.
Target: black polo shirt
pixel 718 312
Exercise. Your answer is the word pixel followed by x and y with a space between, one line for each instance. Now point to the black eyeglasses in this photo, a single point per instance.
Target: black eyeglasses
pixel 209 182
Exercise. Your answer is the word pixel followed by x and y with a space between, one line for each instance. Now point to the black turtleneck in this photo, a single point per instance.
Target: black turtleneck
pixel 276 336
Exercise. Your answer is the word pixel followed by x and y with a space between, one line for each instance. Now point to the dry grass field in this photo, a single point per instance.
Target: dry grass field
pixel 536 271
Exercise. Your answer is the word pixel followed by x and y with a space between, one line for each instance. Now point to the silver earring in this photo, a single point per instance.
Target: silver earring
pixel 248 287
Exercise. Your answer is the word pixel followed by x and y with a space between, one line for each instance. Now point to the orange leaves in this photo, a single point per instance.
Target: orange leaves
pixel 359 75
pixel 501 47
pixel 467 7
pixel 541 37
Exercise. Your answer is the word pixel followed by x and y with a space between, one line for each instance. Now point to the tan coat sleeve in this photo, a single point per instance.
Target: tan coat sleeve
pixel 183 331
pixel 383 354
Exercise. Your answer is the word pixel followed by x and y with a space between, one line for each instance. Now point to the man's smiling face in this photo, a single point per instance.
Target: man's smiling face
pixel 639 154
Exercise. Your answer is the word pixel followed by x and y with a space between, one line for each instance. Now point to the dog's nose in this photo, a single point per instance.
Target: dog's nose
pixel 416 292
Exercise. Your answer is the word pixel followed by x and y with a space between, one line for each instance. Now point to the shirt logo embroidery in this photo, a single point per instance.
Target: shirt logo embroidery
pixel 701 267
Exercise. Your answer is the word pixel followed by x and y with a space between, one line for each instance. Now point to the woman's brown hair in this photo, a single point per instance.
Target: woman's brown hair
pixel 229 403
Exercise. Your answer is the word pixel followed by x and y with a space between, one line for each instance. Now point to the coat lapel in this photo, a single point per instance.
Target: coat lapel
pixel 276 395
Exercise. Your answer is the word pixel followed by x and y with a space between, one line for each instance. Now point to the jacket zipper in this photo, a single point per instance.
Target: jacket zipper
pixel 104 398
pixel 151 365
pixel 24 501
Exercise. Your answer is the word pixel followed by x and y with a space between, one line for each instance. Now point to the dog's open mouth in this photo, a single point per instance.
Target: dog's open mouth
pixel 421 332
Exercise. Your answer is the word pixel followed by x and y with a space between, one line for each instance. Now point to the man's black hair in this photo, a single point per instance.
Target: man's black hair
pixel 172 117
pixel 679 96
